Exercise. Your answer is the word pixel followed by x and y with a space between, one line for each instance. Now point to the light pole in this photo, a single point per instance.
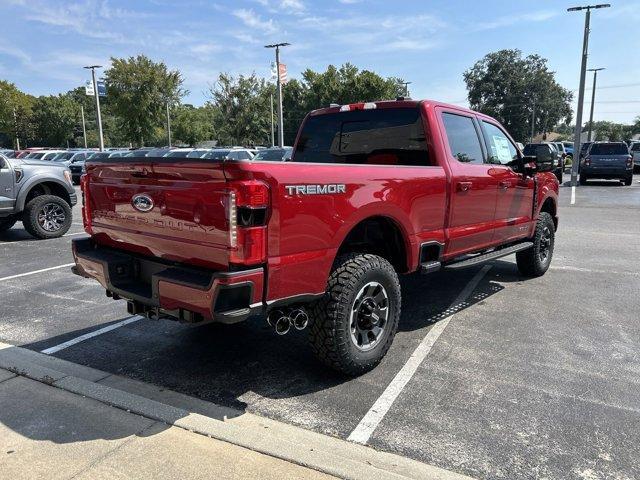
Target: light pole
pixel 279 92
pixel 583 72
pixel 593 97
pixel 168 125
pixel 273 140
pixel 97 97
pixel 406 88
pixel 84 128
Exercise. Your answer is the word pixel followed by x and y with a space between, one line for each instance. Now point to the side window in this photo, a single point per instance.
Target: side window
pixel 501 150
pixel 243 156
pixel 463 138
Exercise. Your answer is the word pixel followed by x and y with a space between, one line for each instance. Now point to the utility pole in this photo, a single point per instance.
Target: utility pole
pixel 533 121
pixel 168 125
pixel 84 127
pixel 583 72
pixel 273 140
pixel 15 124
pixel 279 91
pixel 406 88
pixel 593 97
pixel 97 97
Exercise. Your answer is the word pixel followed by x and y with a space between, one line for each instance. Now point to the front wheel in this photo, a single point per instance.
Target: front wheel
pixel 628 181
pixel 535 261
pixel 353 325
pixel 47 216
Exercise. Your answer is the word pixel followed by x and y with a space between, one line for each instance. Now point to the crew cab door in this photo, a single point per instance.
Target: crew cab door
pixel 7 186
pixel 514 202
pixel 474 184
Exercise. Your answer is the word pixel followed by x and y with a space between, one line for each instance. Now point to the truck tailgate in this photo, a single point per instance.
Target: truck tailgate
pixel 172 210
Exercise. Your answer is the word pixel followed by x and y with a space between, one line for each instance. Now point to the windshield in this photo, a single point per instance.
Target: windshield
pixel 276 154
pixel 178 154
pixel 197 153
pixel 530 148
pixel 217 154
pixel 609 149
pixel 635 147
pixel 585 146
pixel 100 155
pixel 63 156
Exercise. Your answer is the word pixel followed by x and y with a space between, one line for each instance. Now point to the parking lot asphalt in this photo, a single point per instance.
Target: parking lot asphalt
pixel 532 378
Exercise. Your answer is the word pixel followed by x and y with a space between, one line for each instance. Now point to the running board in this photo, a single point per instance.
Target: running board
pixel 429 267
pixel 502 252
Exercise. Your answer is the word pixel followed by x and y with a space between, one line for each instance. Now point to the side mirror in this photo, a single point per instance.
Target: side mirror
pixel 543 161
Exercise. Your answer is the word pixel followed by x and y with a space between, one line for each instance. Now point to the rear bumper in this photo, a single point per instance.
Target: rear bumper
pixel 156 289
pixel 606 172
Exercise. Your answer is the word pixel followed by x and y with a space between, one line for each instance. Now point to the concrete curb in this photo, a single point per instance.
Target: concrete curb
pixel 319 452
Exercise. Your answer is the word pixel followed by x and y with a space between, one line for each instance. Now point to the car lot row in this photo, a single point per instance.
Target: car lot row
pixel 528 376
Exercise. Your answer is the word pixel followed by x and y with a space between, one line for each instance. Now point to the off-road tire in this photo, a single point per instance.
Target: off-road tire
pixel 330 331
pixel 628 181
pixel 30 216
pixel 529 261
pixel 583 179
pixel 7 222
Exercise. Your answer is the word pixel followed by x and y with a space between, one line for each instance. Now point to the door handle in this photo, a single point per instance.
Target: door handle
pixel 504 185
pixel 464 186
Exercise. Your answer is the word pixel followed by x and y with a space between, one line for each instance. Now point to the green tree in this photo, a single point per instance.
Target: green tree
pixel 140 89
pixel 240 109
pixel 192 125
pixel 54 120
pixel 11 98
pixel 346 84
pixel 514 89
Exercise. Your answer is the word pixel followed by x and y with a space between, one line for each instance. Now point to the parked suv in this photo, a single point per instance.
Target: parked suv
pixel 607 160
pixel 38 193
pixel 635 153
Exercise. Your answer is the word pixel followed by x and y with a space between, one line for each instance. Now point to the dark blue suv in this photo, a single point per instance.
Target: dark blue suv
pixel 607 160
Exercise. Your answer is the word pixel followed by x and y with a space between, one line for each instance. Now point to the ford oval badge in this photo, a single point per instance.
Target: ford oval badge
pixel 142 202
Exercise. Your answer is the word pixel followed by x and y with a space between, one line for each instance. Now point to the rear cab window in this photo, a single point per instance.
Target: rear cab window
pixel 609 149
pixel 381 136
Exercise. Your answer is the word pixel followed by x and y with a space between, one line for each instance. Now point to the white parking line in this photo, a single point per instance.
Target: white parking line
pixel 573 194
pixel 11 277
pixel 376 413
pixel 86 336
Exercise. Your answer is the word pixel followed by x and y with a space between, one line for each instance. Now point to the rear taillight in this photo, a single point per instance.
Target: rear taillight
pixel 86 204
pixel 629 161
pixel 247 209
pixel 587 161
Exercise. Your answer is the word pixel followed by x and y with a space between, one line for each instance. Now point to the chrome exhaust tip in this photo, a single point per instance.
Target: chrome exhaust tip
pixel 299 318
pixel 282 325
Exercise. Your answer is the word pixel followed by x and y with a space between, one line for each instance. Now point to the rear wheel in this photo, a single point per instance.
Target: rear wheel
pixel 628 181
pixel 7 222
pixel 583 179
pixel 559 176
pixel 353 325
pixel 535 261
pixel 47 216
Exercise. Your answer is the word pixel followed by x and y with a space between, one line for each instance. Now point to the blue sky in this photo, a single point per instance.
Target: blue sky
pixel 45 43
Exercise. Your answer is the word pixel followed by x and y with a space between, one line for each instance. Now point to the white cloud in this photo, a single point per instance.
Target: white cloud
pixel 205 48
pixel 294 5
pixel 349 2
pixel 523 18
pixel 253 20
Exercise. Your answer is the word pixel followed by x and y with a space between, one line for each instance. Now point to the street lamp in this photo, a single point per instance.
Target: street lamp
pixel 406 88
pixel 583 72
pixel 593 97
pixel 97 97
pixel 279 90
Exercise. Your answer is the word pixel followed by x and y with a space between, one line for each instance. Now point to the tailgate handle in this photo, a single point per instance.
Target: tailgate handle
pixel 142 173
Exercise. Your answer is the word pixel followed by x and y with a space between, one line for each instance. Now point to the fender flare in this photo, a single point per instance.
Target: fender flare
pixel 389 212
pixel 32 182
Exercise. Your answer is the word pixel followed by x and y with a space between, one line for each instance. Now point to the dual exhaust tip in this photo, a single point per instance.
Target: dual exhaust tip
pixel 283 320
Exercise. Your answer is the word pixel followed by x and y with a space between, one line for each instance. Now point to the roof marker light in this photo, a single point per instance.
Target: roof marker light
pixel 345 108
pixel 369 106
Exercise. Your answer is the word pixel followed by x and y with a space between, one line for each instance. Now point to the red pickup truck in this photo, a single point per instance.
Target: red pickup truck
pixel 372 190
